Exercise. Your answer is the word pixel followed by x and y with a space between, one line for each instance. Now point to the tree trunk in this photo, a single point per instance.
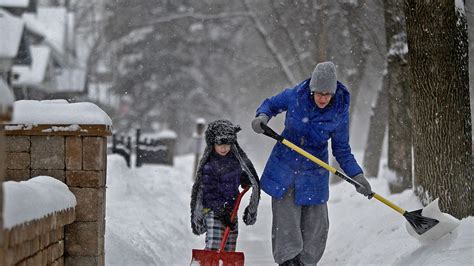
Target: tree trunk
pixel 358 65
pixel 322 48
pixel 377 127
pixel 395 84
pixel 399 114
pixel 438 56
pixel 359 51
pixel 399 124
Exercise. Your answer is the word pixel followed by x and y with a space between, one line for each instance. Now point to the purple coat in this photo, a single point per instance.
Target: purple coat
pixel 220 181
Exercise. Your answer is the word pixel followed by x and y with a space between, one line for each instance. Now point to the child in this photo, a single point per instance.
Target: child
pixel 223 167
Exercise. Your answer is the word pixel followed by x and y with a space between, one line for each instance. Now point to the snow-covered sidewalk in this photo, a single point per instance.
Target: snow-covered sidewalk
pixel 148 224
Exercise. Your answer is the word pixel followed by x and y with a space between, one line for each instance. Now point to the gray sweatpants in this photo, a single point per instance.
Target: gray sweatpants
pixel 299 230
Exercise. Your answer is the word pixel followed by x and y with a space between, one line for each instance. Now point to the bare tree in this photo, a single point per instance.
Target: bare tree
pixel 226 57
pixel 438 56
pixel 357 47
pixel 377 128
pixel 271 46
pixel 399 114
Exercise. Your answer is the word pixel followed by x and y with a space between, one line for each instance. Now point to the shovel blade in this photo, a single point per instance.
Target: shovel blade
pixel 215 258
pixel 432 232
pixel 420 223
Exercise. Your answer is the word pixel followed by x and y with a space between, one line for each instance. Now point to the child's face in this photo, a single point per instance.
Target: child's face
pixel 222 149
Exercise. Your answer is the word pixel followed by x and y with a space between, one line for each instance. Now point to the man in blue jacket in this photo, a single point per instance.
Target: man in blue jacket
pixel 317 110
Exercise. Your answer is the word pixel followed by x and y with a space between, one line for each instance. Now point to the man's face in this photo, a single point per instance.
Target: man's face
pixel 222 149
pixel 322 99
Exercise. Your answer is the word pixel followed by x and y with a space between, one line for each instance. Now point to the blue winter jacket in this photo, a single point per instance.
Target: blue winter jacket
pixel 310 128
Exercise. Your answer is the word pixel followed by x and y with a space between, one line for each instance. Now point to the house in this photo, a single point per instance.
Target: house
pixel 53 69
pixel 12 29
pixel 11 51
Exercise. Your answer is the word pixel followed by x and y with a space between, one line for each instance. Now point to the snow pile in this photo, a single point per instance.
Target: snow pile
pixel 34 199
pixel 366 231
pixel 446 223
pixel 163 134
pixel 58 112
pixel 147 216
pixel 148 224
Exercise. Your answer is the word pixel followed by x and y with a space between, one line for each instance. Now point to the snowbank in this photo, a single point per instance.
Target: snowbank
pixel 147 216
pixel 148 224
pixel 163 134
pixel 33 199
pixel 366 231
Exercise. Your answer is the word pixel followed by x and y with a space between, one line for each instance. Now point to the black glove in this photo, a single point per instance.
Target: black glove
pixel 244 180
pixel 249 217
pixel 223 215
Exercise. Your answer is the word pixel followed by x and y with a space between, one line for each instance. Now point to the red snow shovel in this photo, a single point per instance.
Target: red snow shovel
pixel 221 257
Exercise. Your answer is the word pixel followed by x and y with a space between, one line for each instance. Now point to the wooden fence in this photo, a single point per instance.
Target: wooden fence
pixel 122 146
pixel 147 150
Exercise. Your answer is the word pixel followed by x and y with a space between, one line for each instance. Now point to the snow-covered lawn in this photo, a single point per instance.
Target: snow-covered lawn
pixel 148 224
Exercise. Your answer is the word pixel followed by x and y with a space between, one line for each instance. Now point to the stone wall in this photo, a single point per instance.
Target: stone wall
pixel 77 158
pixel 38 242
pixel 6 110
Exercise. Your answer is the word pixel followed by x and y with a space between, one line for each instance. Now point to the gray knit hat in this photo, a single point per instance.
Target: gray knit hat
pixel 324 78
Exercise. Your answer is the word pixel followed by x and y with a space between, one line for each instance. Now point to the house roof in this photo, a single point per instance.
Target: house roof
pixel 14 3
pixel 55 24
pixel 34 25
pixel 54 19
pixel 11 28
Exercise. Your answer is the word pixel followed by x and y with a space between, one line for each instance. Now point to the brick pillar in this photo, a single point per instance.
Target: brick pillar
pixel 79 159
pixel 6 111
pixel 86 164
pixel 2 172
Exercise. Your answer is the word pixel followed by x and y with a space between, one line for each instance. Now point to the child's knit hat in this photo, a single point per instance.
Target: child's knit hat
pixel 221 132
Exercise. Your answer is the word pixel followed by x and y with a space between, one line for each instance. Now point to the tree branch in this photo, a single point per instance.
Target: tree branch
pixel 271 47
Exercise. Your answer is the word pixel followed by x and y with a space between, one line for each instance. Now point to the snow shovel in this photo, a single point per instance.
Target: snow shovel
pixel 419 223
pixel 221 257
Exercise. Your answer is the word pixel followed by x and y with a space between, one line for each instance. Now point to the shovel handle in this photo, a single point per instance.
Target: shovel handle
pixel 232 218
pixel 271 133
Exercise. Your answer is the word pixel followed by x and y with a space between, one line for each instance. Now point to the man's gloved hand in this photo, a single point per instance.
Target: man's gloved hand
pixel 223 215
pixel 244 180
pixel 257 121
pixel 365 190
